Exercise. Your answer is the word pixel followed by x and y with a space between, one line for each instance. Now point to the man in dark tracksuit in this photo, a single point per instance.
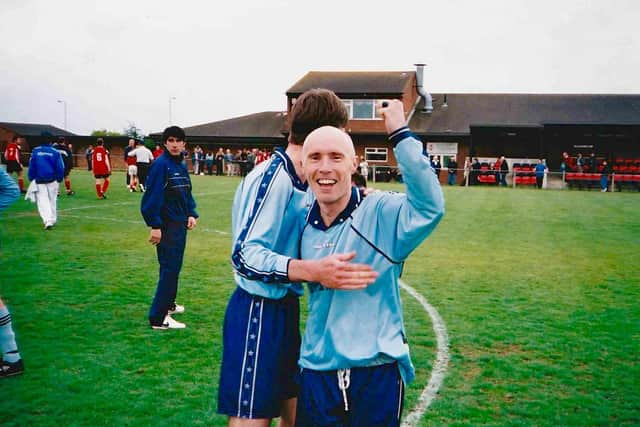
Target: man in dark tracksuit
pixel 67 157
pixel 169 209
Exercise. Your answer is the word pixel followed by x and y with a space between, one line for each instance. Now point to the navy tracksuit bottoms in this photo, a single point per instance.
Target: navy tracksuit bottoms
pixel 170 254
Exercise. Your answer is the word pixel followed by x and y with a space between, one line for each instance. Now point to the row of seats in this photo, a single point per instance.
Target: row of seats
pixel 486 175
pixel 627 168
pixel 588 180
pixel 524 174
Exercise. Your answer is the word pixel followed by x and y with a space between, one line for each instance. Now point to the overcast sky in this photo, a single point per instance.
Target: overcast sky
pixel 117 62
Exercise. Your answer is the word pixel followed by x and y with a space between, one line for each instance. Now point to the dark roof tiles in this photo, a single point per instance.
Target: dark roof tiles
pixel 349 83
pixel 34 129
pixel 469 109
pixel 268 124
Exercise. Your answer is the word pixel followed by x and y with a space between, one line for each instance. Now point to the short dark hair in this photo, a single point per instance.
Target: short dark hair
pixel 16 137
pixel 173 131
pixel 99 141
pixel 313 109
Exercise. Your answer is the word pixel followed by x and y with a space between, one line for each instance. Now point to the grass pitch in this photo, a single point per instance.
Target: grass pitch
pixel 539 291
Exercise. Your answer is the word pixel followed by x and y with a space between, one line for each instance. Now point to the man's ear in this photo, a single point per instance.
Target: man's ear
pixel 354 165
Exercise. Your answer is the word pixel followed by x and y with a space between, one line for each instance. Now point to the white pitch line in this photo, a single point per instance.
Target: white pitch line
pixel 77 208
pixel 138 222
pixel 439 371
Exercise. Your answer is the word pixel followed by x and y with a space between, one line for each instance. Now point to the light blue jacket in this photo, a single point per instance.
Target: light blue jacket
pixel 9 191
pixel 347 329
pixel 267 219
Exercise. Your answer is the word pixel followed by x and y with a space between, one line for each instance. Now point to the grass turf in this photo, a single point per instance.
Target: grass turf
pixel 538 289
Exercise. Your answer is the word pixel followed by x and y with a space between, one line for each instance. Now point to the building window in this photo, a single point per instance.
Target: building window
pixel 349 104
pixel 375 154
pixel 362 109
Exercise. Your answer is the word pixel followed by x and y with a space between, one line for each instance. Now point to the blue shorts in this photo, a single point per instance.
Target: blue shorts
pixel 372 397
pixel 261 347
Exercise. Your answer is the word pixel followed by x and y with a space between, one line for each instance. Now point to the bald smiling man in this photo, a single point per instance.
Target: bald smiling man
pixel 354 356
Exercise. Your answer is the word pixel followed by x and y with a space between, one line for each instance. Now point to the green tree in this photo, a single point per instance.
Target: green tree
pixel 132 131
pixel 104 132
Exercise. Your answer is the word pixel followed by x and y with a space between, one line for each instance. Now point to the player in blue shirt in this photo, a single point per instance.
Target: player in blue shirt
pixel 354 356
pixel 261 337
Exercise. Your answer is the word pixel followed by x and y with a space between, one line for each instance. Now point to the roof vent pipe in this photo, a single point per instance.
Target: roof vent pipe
pixel 428 100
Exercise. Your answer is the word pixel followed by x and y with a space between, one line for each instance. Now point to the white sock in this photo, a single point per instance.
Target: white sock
pixel 7 338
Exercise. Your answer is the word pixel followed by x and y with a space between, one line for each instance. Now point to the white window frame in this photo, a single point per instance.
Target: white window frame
pixel 349 104
pixel 376 150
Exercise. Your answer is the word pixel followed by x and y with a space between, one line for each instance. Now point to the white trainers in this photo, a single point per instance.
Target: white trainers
pixel 177 309
pixel 169 323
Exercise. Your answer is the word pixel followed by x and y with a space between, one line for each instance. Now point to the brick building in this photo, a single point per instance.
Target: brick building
pixel 37 134
pixel 518 126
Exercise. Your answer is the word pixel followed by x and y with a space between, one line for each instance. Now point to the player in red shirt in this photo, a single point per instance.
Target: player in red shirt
pixel 261 156
pixel 158 151
pixel 132 170
pixel 101 168
pixel 12 157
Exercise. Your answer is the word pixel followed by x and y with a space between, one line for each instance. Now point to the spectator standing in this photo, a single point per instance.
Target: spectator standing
pixel 604 176
pixel 452 171
pixel 219 161
pixel 208 158
pixel 185 156
pixel 592 163
pixel 195 164
pixel 354 357
pixel 169 209
pixel 466 171
pixel 364 170
pixel 436 165
pixel 13 158
pixel 201 160
pixel 540 170
pixel 10 363
pixel 242 161
pixel 144 158
pixel 475 171
pixel 46 168
pixel 87 154
pixel 567 162
pixel 251 159
pixel 546 174
pixel 580 163
pixel 228 161
pixel 503 171
pixel 101 168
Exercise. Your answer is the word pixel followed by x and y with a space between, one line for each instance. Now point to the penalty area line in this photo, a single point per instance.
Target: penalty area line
pixel 439 371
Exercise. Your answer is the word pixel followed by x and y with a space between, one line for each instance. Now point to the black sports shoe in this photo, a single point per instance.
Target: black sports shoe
pixel 8 369
pixel 70 193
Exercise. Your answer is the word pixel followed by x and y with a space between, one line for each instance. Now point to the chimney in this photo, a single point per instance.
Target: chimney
pixel 428 101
